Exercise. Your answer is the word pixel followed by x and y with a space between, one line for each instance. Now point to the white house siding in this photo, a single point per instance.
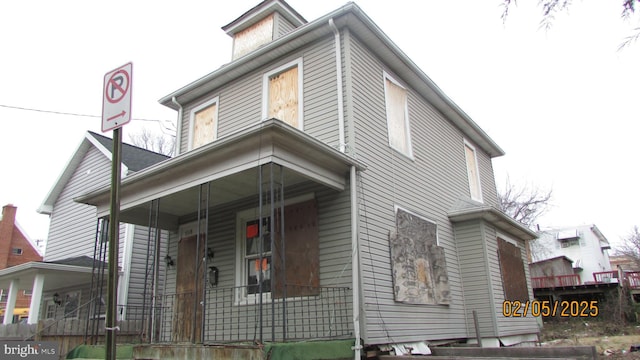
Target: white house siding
pixel 282 26
pixel 141 266
pixel 428 185
pixel 240 102
pixel 72 229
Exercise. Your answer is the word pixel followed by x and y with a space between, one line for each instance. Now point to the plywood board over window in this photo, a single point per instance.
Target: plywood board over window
pixel 204 121
pixel 514 281
pixel 418 263
pixel 472 172
pixel 253 37
pixel 283 96
pixel 397 116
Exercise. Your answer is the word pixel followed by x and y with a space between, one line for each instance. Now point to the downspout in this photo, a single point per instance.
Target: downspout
pixel 336 34
pixel 355 264
pixel 179 126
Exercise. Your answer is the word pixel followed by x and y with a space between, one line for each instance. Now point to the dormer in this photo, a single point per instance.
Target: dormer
pixel 268 21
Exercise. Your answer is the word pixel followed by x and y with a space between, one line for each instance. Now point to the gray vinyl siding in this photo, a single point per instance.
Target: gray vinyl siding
pixel 428 185
pixel 282 26
pixel 142 264
pixel 240 102
pixel 334 232
pixel 475 277
pixel 72 228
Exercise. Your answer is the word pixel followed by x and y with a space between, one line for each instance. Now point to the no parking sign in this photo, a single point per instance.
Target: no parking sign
pixel 116 97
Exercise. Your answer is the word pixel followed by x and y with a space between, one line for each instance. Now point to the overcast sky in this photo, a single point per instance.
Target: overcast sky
pixel 561 103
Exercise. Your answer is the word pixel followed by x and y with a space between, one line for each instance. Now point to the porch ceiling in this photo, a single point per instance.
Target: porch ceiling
pixel 230 165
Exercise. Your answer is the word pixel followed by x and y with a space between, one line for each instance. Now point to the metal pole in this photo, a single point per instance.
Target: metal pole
pixel 114 238
pixel 272 235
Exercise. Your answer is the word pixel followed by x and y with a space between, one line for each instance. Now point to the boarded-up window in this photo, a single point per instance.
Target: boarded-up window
pixel 283 97
pixel 397 116
pixel 514 281
pixel 205 122
pixel 253 37
pixel 418 263
pixel 472 172
pixel 295 264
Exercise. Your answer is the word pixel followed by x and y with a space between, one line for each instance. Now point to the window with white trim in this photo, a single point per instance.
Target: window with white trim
pixel 71 304
pixel 282 94
pixel 473 174
pixel 204 124
pixel 16 251
pixel 296 263
pixel 397 115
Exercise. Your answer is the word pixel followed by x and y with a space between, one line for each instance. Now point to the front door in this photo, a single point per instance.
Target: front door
pixel 187 322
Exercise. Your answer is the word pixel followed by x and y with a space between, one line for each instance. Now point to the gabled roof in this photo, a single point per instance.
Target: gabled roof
pixel 359 24
pixel 133 159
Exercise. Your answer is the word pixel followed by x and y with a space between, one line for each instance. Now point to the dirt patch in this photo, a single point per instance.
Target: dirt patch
pixel 612 340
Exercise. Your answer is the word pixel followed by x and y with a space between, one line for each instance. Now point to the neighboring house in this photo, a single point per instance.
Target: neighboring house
pixel 326 188
pixel 15 248
pixel 584 245
pixel 70 275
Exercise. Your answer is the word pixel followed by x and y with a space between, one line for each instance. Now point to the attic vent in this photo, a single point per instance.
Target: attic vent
pixel 253 37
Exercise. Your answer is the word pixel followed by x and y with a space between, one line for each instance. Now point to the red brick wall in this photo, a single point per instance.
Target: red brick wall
pixel 12 238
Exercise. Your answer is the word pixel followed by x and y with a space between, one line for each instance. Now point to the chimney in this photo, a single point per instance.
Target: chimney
pixel 269 20
pixel 7 224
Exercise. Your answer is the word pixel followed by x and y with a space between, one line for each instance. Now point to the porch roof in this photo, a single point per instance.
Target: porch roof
pixel 57 276
pixel 493 216
pixel 231 162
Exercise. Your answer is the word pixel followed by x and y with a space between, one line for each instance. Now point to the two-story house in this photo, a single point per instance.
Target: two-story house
pixel 325 188
pixel 584 245
pixel 68 284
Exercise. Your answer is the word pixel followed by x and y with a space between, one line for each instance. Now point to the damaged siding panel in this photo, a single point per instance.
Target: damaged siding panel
pixel 428 185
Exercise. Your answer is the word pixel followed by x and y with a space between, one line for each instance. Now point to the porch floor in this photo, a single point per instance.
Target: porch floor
pixel 306 350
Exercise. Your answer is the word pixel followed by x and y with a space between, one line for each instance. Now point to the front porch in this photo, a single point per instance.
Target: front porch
pixel 260 240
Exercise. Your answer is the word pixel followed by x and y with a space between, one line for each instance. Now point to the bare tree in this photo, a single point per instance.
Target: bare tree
pixel 631 247
pixel 160 143
pixel 525 204
pixel 552 7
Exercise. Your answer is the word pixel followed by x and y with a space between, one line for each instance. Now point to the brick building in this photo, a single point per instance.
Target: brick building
pixel 15 249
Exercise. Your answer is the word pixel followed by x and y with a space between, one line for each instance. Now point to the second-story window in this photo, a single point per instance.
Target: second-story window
pixel 283 94
pixel 472 172
pixel 203 124
pixel 397 115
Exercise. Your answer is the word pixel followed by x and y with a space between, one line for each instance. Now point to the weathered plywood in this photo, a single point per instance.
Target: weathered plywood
pixel 253 37
pixel 514 280
pixel 472 172
pixel 204 125
pixel 188 297
pixel 396 98
pixel 419 266
pixel 283 96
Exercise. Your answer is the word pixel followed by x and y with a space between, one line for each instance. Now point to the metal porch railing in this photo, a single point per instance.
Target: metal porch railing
pixel 233 314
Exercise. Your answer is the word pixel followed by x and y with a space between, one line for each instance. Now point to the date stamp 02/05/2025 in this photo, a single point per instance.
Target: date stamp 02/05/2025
pixel 545 308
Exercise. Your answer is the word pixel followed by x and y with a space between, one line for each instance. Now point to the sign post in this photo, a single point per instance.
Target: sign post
pixel 116 112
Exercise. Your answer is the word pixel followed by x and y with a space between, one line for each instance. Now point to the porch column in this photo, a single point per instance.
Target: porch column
pixel 36 299
pixel 11 302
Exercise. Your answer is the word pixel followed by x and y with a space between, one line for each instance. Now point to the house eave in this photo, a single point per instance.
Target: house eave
pixel 352 17
pixel 261 143
pixel 495 217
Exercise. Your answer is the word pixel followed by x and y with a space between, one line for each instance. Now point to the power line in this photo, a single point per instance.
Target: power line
pixel 72 114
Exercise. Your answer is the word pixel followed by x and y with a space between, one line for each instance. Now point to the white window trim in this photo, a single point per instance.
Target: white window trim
pixel 241 218
pixel 475 155
pixel 192 119
pixel 395 214
pixel 386 76
pixel 265 89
